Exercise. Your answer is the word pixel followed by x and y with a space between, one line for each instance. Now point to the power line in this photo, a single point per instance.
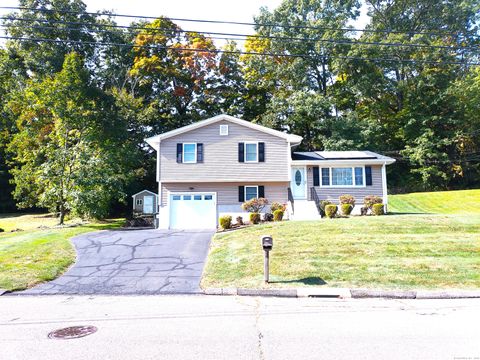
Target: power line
pixel 345 29
pixel 233 36
pixel 218 51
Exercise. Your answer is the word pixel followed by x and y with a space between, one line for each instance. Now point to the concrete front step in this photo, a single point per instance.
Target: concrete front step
pixel 305 210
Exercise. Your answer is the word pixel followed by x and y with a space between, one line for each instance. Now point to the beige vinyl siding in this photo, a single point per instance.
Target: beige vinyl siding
pixel 227 193
pixel 359 192
pixel 221 156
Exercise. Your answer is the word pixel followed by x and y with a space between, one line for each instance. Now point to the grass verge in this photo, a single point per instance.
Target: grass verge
pixel 31 257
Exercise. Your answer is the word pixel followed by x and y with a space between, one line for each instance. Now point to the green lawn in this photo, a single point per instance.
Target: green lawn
pixel 401 251
pixel 33 256
pixel 442 202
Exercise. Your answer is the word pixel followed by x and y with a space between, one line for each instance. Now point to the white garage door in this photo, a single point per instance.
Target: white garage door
pixel 193 211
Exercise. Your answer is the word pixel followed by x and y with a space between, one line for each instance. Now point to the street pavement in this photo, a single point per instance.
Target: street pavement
pixel 228 327
pixel 133 262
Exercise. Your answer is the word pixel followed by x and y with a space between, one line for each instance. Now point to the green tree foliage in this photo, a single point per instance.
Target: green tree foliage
pixel 66 158
pixel 74 134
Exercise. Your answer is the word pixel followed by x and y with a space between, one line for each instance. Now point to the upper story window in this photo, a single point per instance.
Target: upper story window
pixel 189 153
pixel 343 176
pixel 251 152
pixel 139 202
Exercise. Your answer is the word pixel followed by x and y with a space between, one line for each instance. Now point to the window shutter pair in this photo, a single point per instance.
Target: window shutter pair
pixel 199 153
pixel 261 152
pixel 241 193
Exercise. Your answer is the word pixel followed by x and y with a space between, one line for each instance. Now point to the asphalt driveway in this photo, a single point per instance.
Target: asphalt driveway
pixel 134 262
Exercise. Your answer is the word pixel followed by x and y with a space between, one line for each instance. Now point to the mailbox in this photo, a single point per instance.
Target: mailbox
pixel 267 242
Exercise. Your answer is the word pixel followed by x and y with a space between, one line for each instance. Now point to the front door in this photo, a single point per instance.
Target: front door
pixel 298 183
pixel 148 204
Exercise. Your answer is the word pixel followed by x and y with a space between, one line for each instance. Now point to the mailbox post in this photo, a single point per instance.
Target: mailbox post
pixel 267 244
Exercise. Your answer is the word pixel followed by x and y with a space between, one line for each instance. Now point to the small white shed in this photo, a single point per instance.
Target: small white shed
pixel 145 202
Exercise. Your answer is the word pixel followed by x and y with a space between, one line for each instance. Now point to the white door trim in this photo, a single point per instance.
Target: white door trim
pixel 304 179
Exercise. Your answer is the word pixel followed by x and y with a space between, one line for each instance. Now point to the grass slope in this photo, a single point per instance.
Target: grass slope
pixel 441 202
pixel 30 257
pixel 391 252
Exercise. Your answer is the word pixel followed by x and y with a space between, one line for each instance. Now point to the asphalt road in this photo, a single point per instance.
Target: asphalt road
pixel 209 327
pixel 133 262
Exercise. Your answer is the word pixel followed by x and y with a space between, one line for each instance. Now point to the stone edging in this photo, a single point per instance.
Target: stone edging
pixel 342 293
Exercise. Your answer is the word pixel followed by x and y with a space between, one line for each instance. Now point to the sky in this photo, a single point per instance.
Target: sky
pixel 238 11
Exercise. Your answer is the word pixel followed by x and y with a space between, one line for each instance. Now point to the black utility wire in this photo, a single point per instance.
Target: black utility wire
pixel 231 35
pixel 323 28
pixel 218 51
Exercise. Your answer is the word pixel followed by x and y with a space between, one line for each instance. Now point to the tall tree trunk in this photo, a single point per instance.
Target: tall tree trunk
pixel 62 214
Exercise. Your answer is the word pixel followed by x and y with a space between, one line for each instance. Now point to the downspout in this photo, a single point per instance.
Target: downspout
pixel 384 187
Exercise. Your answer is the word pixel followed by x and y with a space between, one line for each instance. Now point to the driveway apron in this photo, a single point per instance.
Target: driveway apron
pixel 134 262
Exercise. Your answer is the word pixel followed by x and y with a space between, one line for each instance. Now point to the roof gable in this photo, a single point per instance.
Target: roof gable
pixel 155 140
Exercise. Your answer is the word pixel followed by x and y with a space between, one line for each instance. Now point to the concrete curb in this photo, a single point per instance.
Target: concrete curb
pixel 3 291
pixel 386 294
pixel 343 293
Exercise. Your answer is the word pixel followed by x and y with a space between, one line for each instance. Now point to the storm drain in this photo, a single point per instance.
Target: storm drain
pixel 72 332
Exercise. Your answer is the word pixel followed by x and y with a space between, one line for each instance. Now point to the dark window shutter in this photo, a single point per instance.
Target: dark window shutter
pixel 179 152
pixel 261 191
pixel 241 194
pixel 241 152
pixel 261 152
pixel 199 153
pixel 368 175
pixel 316 176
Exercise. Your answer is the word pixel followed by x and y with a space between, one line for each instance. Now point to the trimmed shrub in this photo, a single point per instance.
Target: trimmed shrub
pixel 225 222
pixel 331 210
pixel 323 204
pixel 268 217
pixel 278 215
pixel 277 206
pixel 369 200
pixel 254 218
pixel 377 209
pixel 347 199
pixel 346 209
pixel 239 220
pixel 255 205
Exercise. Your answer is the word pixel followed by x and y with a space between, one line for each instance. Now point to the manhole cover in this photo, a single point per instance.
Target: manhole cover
pixel 72 332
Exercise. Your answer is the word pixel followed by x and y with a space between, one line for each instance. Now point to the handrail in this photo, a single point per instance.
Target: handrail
pixel 314 197
pixel 290 198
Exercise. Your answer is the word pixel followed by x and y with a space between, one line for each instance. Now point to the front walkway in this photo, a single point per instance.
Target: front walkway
pixel 134 262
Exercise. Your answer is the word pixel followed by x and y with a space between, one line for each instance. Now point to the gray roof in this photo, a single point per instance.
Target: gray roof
pixel 338 155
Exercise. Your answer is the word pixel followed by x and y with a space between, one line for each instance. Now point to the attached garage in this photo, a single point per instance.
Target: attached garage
pixel 193 210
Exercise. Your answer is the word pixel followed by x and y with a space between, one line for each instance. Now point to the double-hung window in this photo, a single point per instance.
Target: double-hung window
pixel 251 152
pixel 251 192
pixel 343 176
pixel 189 153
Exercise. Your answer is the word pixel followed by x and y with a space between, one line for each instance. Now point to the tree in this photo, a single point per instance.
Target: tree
pixel 67 152
pixel 294 91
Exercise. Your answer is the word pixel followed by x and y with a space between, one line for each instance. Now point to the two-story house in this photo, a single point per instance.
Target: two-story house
pixel 209 168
